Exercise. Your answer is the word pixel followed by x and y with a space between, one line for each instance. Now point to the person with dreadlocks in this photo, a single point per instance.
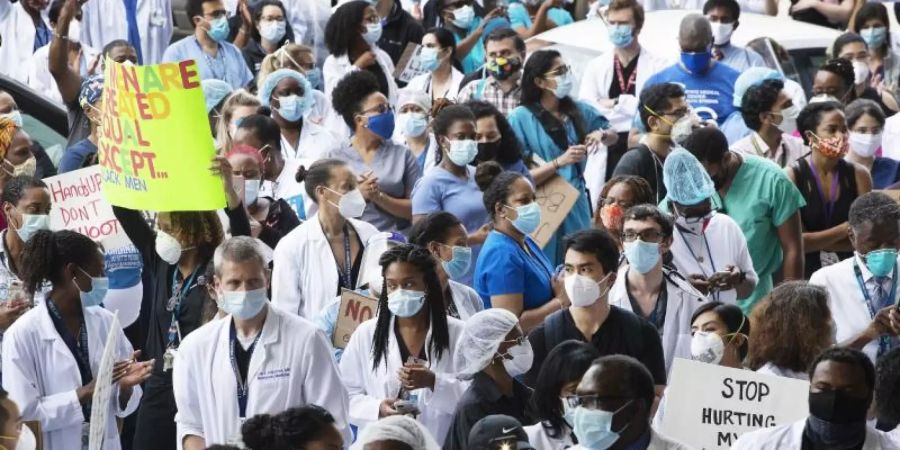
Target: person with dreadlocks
pixel 402 361
pixel 52 354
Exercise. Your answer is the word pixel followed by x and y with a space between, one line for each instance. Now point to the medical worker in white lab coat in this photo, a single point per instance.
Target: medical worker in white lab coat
pixel 107 20
pixel 842 382
pixel 644 287
pixel 322 255
pixel 401 362
pixel 255 360
pixel 25 28
pixel 52 354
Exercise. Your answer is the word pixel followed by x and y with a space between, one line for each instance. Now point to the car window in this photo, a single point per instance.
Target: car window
pixel 54 143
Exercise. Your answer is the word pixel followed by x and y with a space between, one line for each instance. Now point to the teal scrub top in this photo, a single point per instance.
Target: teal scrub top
pixel 475 59
pixel 519 18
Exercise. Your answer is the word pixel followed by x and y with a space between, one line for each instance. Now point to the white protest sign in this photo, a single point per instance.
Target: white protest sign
pixel 708 406
pixel 103 387
pixel 409 66
pixel 79 206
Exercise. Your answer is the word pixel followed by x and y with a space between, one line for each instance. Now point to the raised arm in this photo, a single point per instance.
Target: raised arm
pixel 67 80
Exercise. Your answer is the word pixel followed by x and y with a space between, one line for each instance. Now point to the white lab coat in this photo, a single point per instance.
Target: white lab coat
pixel 41 376
pixel 291 366
pixel 599 76
pixel 336 67
pixel 315 142
pixel 790 437
pixel 682 300
pixel 40 79
pixel 422 83
pixel 369 387
pixel 17 30
pixel 466 300
pixel 305 278
pixel 657 442
pixel 308 19
pixel 104 21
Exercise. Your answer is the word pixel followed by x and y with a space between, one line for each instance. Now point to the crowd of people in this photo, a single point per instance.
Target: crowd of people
pixel 721 214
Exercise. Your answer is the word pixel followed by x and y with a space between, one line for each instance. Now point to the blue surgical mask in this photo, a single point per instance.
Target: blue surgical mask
pixel 31 224
pixel 251 191
pixel 273 31
pixel 463 17
pixel 243 305
pixel 458 266
pixel 314 77
pixel 696 63
pixel 404 303
pixel 621 35
pixel 382 124
pixel 881 262
pixel 564 85
pixel 219 29
pixel 373 33
pixel 593 427
pixel 428 59
pixel 292 107
pixel 99 287
pixel 528 217
pixel 568 414
pixel 412 124
pixel 642 256
pixel 462 151
pixel 874 37
pixel 15 116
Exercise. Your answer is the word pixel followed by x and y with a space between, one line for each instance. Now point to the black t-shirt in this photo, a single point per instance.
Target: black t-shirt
pixel 641 162
pixel 623 333
pixel 615 88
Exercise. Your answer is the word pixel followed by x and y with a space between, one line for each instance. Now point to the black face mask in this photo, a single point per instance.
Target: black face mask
pixel 838 407
pixel 487 151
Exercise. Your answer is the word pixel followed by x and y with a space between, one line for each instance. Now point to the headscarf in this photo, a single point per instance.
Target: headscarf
pixel 8 130
pixel 91 90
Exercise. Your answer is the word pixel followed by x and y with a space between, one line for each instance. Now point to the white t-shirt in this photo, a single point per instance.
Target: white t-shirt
pixel 722 244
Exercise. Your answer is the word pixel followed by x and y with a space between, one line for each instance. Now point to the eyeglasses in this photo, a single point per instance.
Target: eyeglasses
pixel 559 71
pixel 380 109
pixel 646 236
pixel 592 401
pixel 517 341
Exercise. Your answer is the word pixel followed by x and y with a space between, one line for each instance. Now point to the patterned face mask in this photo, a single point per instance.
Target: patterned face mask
pixel 834 148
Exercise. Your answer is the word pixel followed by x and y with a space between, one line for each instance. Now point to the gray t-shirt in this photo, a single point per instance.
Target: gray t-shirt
pixel 79 126
pixel 397 172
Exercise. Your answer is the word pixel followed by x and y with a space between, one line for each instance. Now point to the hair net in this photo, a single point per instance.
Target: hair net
pixel 685 178
pixel 397 428
pixel 414 97
pixel 91 90
pixel 481 337
pixel 271 81
pixel 214 91
pixel 752 77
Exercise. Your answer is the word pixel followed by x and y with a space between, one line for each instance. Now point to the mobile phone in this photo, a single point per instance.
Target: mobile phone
pixel 717 277
pixel 406 407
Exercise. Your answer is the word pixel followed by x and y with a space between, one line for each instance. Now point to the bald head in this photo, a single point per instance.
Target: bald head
pixel 695 34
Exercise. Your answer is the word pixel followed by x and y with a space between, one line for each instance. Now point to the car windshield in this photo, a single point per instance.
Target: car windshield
pixel 52 142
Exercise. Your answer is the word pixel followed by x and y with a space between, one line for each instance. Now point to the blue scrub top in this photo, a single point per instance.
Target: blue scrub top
pixel 475 59
pixel 534 140
pixel 504 268
pixel 228 65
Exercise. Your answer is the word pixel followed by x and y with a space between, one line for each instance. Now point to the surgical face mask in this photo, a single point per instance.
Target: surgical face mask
pixel 404 303
pixel 351 205
pixel 528 217
pixel 167 247
pixel 568 413
pixel 27 167
pixel 864 144
pixel 463 17
pixel 219 29
pixel 860 71
pixel 459 264
pixel 791 113
pixel 502 68
pixel 251 191
pixel 583 291
pixel 99 287
pixel 382 124
pixel 314 77
pixel 291 107
pixel 642 256
pixel 412 124
pixel 462 151
pixel 428 59
pixel 835 147
pixel 621 36
pixel 721 32
pixel 694 225
pixel 696 62
pixel 74 34
pixel 31 224
pixel 243 305
pixel 838 407
pixel 15 116
pixel 273 30
pixel 522 358
pixel 880 262
pixel 373 33
pixel 593 427
pixel 564 84
pixel 874 37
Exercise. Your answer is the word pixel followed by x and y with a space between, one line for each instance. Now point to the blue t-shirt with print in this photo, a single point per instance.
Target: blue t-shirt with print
pixel 713 89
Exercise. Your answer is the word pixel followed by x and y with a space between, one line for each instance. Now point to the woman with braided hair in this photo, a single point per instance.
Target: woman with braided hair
pixel 52 354
pixel 401 362
pixel 308 427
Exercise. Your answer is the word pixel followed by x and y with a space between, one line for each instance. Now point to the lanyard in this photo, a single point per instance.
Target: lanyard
pixel 210 61
pixel 77 345
pixel 884 342
pixel 620 77
pixel 781 161
pixel 708 252
pixel 179 292
pixel 829 204
pixel 243 387
pixel 347 273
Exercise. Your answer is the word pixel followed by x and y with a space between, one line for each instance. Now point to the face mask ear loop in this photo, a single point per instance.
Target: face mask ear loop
pixel 738 331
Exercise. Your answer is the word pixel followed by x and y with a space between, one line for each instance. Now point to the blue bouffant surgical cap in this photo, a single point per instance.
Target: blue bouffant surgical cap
pixel 687 182
pixel 268 86
pixel 751 77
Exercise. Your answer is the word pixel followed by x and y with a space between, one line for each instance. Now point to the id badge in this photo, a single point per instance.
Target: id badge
pixel 169 358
